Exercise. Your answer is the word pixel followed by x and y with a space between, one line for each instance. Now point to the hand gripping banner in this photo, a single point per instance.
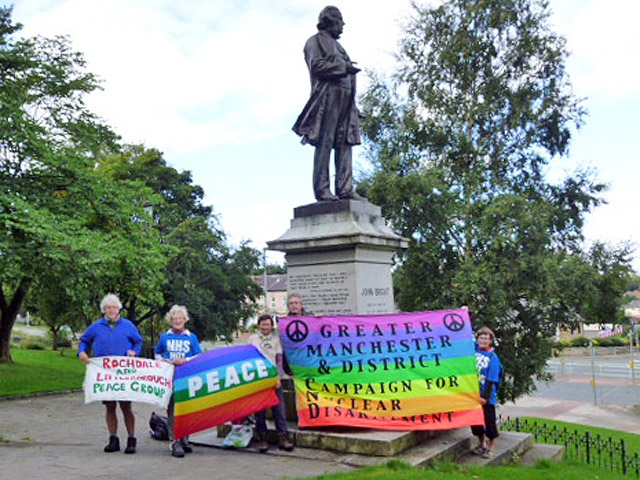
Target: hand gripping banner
pixel 406 371
pixel 222 385
pixel 128 378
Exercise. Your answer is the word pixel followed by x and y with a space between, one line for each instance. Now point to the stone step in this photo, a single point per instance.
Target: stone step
pixel 442 445
pixel 362 447
pixel 359 441
pixel 509 448
pixel 541 451
pixel 379 443
pixel 447 445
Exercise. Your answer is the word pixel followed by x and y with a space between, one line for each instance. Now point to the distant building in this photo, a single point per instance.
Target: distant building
pixel 275 302
pixel 632 310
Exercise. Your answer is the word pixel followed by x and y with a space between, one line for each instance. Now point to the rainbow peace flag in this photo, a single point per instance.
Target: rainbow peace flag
pixel 407 371
pixel 220 386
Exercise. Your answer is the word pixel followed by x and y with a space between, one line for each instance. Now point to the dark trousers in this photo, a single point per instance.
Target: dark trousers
pixel 279 417
pixel 171 416
pixel 490 427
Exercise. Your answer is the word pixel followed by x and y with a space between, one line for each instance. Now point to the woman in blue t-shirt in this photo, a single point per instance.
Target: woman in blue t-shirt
pixel 177 345
pixel 489 369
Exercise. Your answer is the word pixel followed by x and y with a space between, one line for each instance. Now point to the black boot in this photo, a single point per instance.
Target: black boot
pixel 131 445
pixel 185 445
pixel 114 444
pixel 176 449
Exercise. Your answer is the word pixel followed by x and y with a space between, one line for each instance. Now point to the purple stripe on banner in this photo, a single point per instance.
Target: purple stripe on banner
pixel 399 324
pixel 416 330
pixel 214 359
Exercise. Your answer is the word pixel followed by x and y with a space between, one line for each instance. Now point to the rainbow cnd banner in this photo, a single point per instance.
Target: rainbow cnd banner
pixel 406 371
pixel 222 385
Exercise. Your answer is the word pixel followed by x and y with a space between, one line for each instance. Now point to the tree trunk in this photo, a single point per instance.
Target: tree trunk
pixel 54 336
pixel 8 314
pixel 5 339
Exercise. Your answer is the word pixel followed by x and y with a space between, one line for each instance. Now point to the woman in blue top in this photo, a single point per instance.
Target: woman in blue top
pixel 489 370
pixel 113 335
pixel 177 345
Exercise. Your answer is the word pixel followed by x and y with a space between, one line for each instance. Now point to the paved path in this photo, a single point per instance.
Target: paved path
pixel 58 437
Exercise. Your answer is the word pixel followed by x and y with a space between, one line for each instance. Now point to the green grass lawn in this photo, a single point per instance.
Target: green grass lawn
pixel 631 440
pixel 395 470
pixel 40 371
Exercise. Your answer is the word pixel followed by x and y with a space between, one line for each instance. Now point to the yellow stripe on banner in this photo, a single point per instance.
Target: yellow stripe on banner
pixel 220 398
pixel 429 389
pixel 389 407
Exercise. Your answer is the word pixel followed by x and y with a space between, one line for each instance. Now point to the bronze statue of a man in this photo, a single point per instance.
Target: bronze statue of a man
pixel 329 120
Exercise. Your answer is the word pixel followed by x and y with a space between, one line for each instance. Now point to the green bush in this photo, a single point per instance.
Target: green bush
pixel 34 343
pixel 558 346
pixel 64 339
pixel 580 342
pixel 612 342
pixel 64 342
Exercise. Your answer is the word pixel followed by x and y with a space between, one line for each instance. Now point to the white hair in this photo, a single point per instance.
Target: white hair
pixel 110 299
pixel 175 309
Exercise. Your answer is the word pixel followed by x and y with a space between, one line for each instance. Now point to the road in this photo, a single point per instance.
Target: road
pixel 599 394
pixel 609 367
pixel 601 380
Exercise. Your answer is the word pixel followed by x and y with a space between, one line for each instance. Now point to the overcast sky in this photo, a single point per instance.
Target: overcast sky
pixel 217 84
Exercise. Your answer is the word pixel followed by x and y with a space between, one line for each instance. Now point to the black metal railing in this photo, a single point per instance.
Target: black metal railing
pixel 584 447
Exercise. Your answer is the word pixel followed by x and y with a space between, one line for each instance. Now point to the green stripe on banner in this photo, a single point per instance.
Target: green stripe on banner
pixel 366 373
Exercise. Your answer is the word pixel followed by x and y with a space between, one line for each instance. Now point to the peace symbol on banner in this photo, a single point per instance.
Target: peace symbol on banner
pixel 453 322
pixel 297 331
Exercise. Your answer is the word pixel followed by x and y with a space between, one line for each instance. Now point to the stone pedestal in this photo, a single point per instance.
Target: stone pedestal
pixel 339 257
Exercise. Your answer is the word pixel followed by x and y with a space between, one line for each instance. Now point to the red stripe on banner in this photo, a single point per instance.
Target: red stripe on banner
pixel 212 417
pixel 327 417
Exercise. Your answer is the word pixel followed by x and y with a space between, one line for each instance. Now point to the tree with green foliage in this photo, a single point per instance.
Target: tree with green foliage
pixel 41 117
pixel 605 287
pixel 461 138
pixel 203 272
pixel 272 269
pixel 55 306
pixel 633 283
pixel 116 247
pixel 58 216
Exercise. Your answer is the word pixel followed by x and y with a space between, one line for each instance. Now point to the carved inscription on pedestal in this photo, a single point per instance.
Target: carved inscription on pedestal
pixel 376 300
pixel 324 293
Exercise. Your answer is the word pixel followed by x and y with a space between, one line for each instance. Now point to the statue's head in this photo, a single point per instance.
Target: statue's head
pixel 330 19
